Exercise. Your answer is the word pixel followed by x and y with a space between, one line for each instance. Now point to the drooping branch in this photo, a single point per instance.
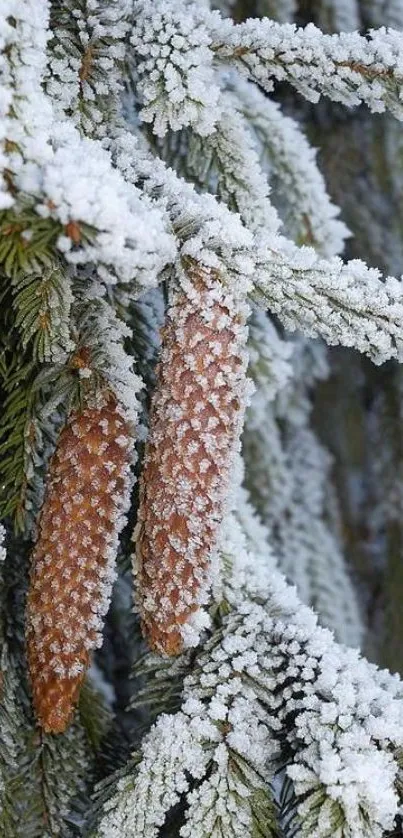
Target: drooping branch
pixel 346 303
pixel 348 67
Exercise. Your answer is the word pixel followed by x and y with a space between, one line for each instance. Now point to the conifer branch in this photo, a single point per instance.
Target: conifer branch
pixel 20 436
pixel 226 163
pixel 349 68
pixel 42 300
pixel 263 725
pixel 345 303
pixel 88 47
pixel 274 723
pixel 297 184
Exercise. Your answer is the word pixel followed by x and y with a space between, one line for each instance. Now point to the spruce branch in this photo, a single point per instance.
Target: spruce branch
pixel 11 720
pixel 270 684
pixel 87 47
pixel 94 714
pixel 226 163
pixel 20 436
pixel 289 162
pixel 159 683
pixel 181 87
pixel 346 303
pixel 288 475
pixel 348 68
pixel 42 300
pixel 28 241
pixel 45 156
pixel 34 398
pixel 308 552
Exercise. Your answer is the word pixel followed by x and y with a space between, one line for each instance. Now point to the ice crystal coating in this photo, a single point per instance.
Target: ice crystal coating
pixel 196 421
pixel 78 183
pixel 288 476
pixel 85 62
pixel 230 153
pixel 206 231
pixel 270 367
pixel 308 551
pixel 174 66
pixel 73 561
pixel 69 177
pixel 345 303
pixel 180 42
pixel 298 186
pixel 108 359
pixel 23 37
pixel 348 67
pixel 270 357
pixel 270 678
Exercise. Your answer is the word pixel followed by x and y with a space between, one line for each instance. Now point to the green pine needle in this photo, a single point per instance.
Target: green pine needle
pixel 42 300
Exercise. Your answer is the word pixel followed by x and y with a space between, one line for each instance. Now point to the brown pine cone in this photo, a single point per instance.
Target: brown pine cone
pixel 86 498
pixel 196 421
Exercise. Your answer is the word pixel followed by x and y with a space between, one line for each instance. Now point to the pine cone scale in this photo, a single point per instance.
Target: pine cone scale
pixel 72 564
pixel 195 426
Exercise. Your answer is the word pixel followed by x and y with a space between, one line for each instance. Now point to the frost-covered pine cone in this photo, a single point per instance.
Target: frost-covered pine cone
pixel 73 561
pixel 196 421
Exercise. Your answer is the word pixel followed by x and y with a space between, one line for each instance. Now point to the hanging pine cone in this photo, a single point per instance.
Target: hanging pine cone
pixel 73 561
pixel 196 419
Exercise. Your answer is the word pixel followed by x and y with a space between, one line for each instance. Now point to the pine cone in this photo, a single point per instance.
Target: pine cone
pixel 196 420
pixel 73 561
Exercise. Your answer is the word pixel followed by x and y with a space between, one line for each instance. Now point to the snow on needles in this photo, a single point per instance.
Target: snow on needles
pixel 345 303
pixel 126 233
pixel 80 183
pixel 341 718
pixel 298 186
pixel 348 67
pixel 174 65
pixel 85 61
pixel 176 47
pixel 68 177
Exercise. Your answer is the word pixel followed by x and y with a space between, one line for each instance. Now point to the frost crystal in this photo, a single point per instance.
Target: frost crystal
pixel 298 186
pixel 345 303
pixel 139 147
pixel 349 68
pixel 174 66
pixel 271 676
pixel 86 57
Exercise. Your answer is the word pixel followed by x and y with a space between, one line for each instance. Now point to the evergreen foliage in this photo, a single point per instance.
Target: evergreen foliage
pixel 173 267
